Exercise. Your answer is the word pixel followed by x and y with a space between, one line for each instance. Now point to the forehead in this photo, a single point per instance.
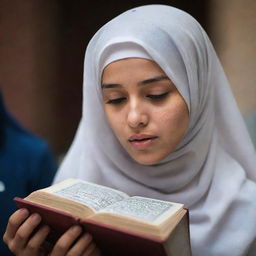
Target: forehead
pixel 131 68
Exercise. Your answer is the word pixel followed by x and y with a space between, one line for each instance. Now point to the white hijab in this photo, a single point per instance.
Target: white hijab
pixel 213 170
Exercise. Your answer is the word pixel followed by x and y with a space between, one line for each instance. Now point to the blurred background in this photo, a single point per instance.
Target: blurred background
pixel 42 46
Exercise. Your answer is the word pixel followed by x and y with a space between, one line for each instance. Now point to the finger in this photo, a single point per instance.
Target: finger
pixel 95 252
pixel 90 250
pixel 24 232
pixel 81 245
pixel 66 240
pixel 15 220
pixel 37 240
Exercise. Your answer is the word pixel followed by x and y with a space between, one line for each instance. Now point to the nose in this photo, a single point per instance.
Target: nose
pixel 137 117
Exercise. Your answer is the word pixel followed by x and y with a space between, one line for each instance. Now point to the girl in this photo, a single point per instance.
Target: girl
pixel 159 120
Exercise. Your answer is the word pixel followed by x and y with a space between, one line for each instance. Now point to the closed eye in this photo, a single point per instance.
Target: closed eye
pixel 157 96
pixel 116 101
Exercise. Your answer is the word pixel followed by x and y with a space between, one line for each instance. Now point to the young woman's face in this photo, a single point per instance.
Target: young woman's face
pixel 143 107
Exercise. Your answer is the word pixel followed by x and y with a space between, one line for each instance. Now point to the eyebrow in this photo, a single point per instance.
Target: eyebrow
pixel 153 80
pixel 144 82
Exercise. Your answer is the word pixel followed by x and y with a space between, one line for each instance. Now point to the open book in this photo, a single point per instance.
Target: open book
pixel 119 224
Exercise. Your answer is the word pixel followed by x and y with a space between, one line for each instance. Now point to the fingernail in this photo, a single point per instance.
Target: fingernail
pixel 46 228
pixel 76 229
pixel 88 237
pixel 36 218
pixel 24 212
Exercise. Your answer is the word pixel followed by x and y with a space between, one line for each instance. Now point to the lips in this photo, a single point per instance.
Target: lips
pixel 142 141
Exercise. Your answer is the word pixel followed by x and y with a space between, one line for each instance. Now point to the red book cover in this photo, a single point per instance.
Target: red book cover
pixel 111 240
pixel 114 241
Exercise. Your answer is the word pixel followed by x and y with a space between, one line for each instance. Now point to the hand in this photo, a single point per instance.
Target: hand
pixel 84 246
pixel 18 233
pixel 22 240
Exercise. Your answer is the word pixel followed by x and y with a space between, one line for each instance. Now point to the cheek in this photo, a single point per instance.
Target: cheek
pixel 116 122
pixel 109 117
pixel 174 118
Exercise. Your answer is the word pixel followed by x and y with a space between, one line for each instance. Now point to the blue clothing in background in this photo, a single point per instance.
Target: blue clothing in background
pixel 26 164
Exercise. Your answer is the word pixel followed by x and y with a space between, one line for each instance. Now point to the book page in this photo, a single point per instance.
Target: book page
pixel 95 196
pixel 144 209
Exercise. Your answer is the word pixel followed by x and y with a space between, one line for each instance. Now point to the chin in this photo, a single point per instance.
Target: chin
pixel 147 160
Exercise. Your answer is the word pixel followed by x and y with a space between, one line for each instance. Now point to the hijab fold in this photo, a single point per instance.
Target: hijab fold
pixel 213 169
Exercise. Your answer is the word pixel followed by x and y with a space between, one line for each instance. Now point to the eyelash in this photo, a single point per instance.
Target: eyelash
pixel 116 101
pixel 158 96
pixel 150 96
